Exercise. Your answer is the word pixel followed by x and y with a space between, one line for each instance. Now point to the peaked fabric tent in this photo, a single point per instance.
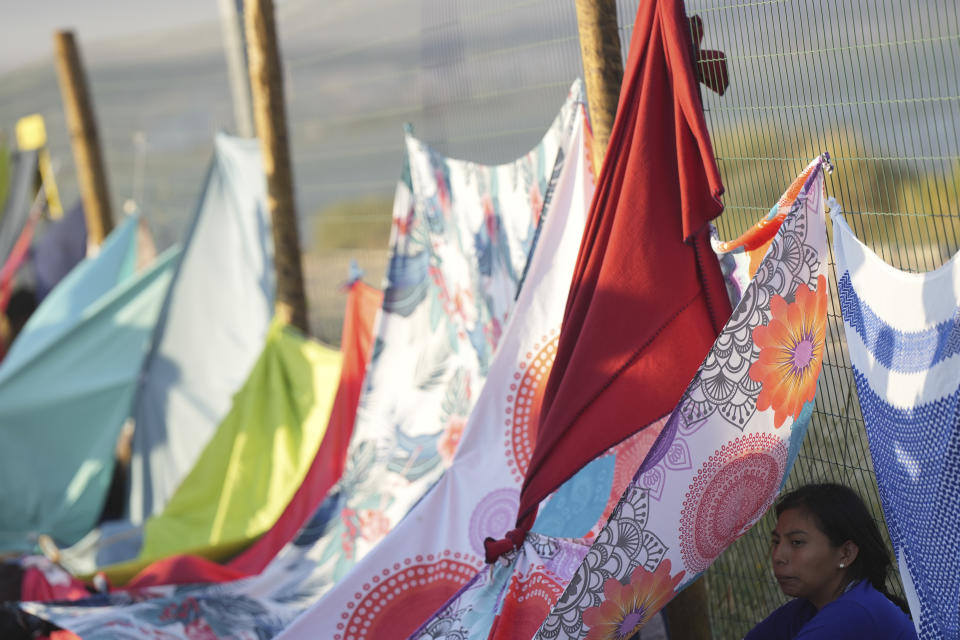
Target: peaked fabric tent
pixel 903 336
pixel 442 536
pixel 65 391
pixel 462 235
pixel 647 296
pixel 258 457
pixel 702 484
pixel 363 303
pixel 212 328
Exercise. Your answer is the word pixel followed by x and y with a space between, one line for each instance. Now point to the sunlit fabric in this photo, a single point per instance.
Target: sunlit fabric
pixel 212 328
pixel 65 392
pixel 462 236
pixel 258 457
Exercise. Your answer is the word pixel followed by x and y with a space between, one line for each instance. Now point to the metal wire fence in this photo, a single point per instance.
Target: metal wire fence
pixel 875 82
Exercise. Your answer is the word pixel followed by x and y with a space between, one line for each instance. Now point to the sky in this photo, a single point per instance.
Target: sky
pixel 28 25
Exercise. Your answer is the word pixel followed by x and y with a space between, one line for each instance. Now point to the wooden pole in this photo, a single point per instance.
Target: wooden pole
pixel 266 85
pixel 602 69
pixel 82 125
pixel 688 614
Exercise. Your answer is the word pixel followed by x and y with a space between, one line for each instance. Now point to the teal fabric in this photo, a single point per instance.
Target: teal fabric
pixel 66 389
pixel 66 304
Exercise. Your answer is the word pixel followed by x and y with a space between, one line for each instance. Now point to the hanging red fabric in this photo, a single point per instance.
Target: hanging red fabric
pixel 647 297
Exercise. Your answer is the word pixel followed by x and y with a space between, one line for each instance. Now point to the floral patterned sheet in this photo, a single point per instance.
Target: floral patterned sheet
pixel 903 336
pixel 461 238
pixel 438 547
pixel 709 475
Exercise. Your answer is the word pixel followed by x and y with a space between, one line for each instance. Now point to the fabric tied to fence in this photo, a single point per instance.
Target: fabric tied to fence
pixel 66 388
pixel 903 336
pixel 462 235
pixel 647 296
pixel 442 537
pixel 212 329
pixel 707 477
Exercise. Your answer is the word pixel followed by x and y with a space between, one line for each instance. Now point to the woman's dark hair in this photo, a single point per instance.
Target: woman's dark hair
pixel 841 515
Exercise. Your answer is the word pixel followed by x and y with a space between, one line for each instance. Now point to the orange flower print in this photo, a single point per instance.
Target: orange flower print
pixel 627 607
pixel 791 352
pixel 450 440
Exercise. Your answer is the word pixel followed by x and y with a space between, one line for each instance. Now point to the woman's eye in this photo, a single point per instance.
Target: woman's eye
pixel 797 543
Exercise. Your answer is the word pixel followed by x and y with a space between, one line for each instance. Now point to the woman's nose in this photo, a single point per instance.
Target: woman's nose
pixel 778 554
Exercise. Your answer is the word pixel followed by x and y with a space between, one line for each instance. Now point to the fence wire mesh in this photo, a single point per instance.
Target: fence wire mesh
pixel 875 82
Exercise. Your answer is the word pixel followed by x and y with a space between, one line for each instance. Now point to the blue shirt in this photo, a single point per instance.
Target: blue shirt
pixel 861 612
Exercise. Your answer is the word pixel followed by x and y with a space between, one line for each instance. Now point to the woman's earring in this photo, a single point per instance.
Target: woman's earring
pixel 842 565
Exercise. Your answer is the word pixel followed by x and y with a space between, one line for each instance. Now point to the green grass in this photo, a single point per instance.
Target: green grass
pixel 362 223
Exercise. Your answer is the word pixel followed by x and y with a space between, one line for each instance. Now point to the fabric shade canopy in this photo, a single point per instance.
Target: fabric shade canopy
pixel 66 388
pixel 647 296
pixel 224 285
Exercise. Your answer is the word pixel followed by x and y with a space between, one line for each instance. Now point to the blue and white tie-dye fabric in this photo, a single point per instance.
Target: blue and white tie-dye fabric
pixel 903 334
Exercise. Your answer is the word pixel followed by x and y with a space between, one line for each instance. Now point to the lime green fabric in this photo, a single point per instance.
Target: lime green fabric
pixel 256 460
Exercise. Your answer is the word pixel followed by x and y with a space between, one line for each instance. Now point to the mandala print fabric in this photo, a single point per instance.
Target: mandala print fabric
pixel 462 233
pixel 635 565
pixel 439 545
pixel 712 473
pixel 903 335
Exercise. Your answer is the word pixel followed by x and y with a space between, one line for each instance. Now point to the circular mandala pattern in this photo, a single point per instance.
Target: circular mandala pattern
pixel 401 602
pixel 733 488
pixel 494 516
pixel 527 603
pixel 524 402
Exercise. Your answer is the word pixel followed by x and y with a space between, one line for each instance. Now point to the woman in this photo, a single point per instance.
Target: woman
pixel 828 554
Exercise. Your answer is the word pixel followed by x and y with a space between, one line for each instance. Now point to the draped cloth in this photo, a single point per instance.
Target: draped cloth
pixel 706 478
pixel 363 303
pixel 65 392
pixel 647 296
pixel 461 239
pixel 442 537
pixel 260 454
pixel 356 345
pixel 903 336
pixel 212 328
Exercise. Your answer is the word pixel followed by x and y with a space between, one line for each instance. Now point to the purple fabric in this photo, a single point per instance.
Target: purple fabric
pixel 861 612
pixel 61 247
